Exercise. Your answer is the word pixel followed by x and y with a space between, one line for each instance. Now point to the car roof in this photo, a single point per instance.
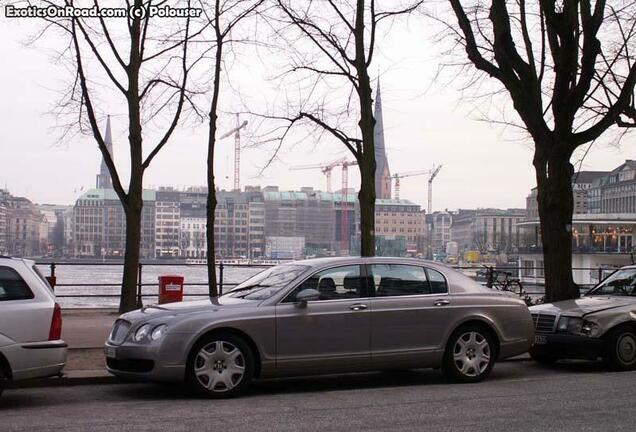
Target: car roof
pixel 317 262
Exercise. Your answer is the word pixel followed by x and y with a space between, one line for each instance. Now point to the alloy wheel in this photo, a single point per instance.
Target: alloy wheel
pixel 471 354
pixel 219 366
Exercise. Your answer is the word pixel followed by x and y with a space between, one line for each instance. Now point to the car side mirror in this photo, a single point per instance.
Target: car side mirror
pixel 305 296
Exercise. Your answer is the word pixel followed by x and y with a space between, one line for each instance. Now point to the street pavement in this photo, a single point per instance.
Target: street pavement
pixel 519 396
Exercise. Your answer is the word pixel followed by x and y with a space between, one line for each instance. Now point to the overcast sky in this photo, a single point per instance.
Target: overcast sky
pixel 426 122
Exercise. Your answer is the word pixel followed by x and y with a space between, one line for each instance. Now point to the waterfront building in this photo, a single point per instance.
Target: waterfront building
pixel 167 222
pixel 400 226
pixel 99 225
pixel 439 228
pixel 602 230
pixel 487 230
pixel 193 242
pixel 615 192
pixel 26 228
pixel 312 214
pixel 285 248
pixel 3 229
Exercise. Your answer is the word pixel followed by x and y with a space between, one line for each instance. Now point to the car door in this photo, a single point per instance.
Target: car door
pixel 410 314
pixel 328 334
pixel 25 315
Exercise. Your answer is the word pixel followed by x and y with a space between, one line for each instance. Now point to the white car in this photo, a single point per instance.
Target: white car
pixel 30 324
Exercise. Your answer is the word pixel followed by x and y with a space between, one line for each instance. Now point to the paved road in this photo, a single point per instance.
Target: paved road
pixel 519 396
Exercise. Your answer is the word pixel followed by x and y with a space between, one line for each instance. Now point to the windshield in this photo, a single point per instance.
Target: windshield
pixel 620 283
pixel 267 283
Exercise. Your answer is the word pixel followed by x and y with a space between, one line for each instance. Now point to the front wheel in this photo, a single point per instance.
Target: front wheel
pixel 470 354
pixel 619 353
pixel 220 366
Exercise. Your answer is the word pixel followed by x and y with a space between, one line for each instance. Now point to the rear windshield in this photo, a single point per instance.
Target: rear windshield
pixel 12 286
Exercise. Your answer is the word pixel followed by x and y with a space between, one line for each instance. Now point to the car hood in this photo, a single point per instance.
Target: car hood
pixel 187 307
pixel 584 305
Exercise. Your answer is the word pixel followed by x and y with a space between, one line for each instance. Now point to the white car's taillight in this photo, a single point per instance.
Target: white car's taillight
pixel 55 333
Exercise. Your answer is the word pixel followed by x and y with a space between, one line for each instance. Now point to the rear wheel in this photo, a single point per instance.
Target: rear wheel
pixel 470 354
pixel 220 366
pixel 3 380
pixel 619 353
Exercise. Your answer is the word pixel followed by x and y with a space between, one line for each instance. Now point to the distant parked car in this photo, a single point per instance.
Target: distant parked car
pixel 323 316
pixel 30 324
pixel 601 324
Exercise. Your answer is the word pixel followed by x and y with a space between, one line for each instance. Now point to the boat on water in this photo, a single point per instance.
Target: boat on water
pixel 235 261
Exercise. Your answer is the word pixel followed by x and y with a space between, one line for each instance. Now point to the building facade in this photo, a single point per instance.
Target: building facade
pixel 99 225
pixel 487 230
pixel 400 226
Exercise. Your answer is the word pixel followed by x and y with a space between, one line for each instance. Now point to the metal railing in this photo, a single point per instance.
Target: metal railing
pixel 532 284
pixel 222 283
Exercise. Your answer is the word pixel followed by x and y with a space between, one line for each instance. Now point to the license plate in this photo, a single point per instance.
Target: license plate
pixel 540 340
pixel 110 351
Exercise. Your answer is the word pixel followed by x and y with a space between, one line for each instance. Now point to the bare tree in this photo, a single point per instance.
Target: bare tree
pixel 332 43
pixel 224 17
pixel 145 62
pixel 552 57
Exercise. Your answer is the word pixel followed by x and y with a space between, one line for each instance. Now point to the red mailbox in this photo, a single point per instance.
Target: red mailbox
pixel 170 289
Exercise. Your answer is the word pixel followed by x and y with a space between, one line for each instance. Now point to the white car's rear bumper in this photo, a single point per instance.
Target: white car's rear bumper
pixel 35 359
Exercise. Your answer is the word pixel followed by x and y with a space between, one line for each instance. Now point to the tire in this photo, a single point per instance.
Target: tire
pixel 220 366
pixel 470 354
pixel 543 359
pixel 619 352
pixel 3 381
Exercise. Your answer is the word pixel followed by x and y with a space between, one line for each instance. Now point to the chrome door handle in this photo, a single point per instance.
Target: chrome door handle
pixel 358 307
pixel 441 303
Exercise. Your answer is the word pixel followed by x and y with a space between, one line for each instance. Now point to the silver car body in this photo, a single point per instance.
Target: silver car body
pixel 25 348
pixel 340 335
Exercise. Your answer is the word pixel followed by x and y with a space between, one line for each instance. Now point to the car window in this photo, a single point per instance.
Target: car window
pixel 399 280
pixel 437 282
pixel 12 286
pixel 333 284
pixel 619 283
pixel 42 278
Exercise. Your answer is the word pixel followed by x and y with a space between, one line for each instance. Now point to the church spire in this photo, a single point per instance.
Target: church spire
pixel 382 172
pixel 104 180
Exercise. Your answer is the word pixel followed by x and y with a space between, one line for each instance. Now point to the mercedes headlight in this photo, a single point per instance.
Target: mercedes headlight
pixel 158 332
pixel 570 325
pixel 142 332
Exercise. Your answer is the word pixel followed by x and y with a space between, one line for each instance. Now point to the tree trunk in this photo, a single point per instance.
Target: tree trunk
pixel 211 201
pixel 366 197
pixel 556 205
pixel 133 210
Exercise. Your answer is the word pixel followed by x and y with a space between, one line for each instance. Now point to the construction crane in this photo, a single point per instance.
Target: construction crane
pixel 237 150
pixel 434 173
pixel 325 168
pixel 399 176
pixel 344 206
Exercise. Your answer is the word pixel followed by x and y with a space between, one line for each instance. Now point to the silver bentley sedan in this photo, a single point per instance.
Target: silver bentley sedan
pixel 328 315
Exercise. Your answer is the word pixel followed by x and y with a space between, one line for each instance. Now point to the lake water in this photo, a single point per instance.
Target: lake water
pixel 107 296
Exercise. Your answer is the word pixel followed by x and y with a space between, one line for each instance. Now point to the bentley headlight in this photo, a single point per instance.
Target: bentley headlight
pixel 158 332
pixel 142 332
pixel 570 325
